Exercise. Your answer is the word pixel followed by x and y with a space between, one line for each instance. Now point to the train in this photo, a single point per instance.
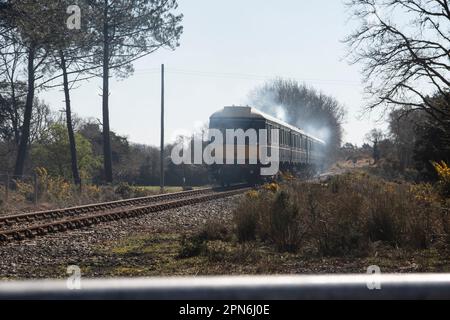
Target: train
pixel 298 151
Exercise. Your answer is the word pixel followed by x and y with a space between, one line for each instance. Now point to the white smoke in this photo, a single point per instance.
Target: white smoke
pixel 321 132
pixel 266 101
pixel 280 113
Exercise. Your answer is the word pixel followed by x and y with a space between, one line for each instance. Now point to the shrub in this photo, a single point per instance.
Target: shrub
pixel 139 192
pixel 24 189
pixel 246 217
pixel 214 231
pixel 445 222
pixel 443 171
pixel 53 189
pixel 217 251
pixel 282 225
pixel 109 194
pixel 272 187
pixel 385 218
pixel 343 216
pixel 124 190
pixel 192 246
pixel 426 223
pixel 269 216
pixel 197 244
pixel 341 228
pixel 92 192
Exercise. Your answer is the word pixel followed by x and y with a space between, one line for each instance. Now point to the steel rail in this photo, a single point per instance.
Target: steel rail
pixel 64 212
pixel 330 287
pixel 97 218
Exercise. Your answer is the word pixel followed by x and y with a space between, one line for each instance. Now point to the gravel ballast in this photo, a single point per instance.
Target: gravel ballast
pixel 44 257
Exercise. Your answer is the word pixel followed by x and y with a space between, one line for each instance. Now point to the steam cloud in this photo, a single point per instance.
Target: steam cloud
pixel 266 101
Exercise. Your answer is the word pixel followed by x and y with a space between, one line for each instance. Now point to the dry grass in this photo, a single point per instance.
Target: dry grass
pixel 54 192
pixel 345 216
pixel 342 226
pixel 158 255
pixel 197 244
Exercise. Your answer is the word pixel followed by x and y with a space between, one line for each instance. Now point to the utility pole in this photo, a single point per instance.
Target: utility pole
pixel 162 130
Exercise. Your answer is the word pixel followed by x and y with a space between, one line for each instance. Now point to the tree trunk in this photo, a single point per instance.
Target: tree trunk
pixel 107 153
pixel 25 136
pixel 72 142
pixel 15 116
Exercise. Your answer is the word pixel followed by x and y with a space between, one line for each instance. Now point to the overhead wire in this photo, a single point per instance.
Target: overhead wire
pixel 243 76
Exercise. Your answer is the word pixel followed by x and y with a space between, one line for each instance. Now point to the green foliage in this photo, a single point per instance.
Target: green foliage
pixel 52 152
pixel 197 243
pixel 134 29
pixel 443 172
pixel 191 247
pixel 124 190
pixel 35 21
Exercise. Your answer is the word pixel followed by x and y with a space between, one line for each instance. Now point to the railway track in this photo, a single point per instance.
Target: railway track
pixel 9 220
pixel 62 220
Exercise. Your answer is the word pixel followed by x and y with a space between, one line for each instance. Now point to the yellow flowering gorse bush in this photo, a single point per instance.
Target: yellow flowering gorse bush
pixel 53 188
pixel 272 187
pixel 252 194
pixel 443 171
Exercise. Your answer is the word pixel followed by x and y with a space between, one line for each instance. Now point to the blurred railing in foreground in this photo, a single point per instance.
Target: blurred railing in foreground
pixel 412 286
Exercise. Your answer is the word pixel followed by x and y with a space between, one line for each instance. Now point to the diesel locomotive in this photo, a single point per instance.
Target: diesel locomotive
pixel 298 152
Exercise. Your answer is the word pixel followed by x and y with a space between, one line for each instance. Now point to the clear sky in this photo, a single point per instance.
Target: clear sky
pixel 228 48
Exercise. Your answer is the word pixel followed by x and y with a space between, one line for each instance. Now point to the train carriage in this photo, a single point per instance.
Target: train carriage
pixel 298 151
